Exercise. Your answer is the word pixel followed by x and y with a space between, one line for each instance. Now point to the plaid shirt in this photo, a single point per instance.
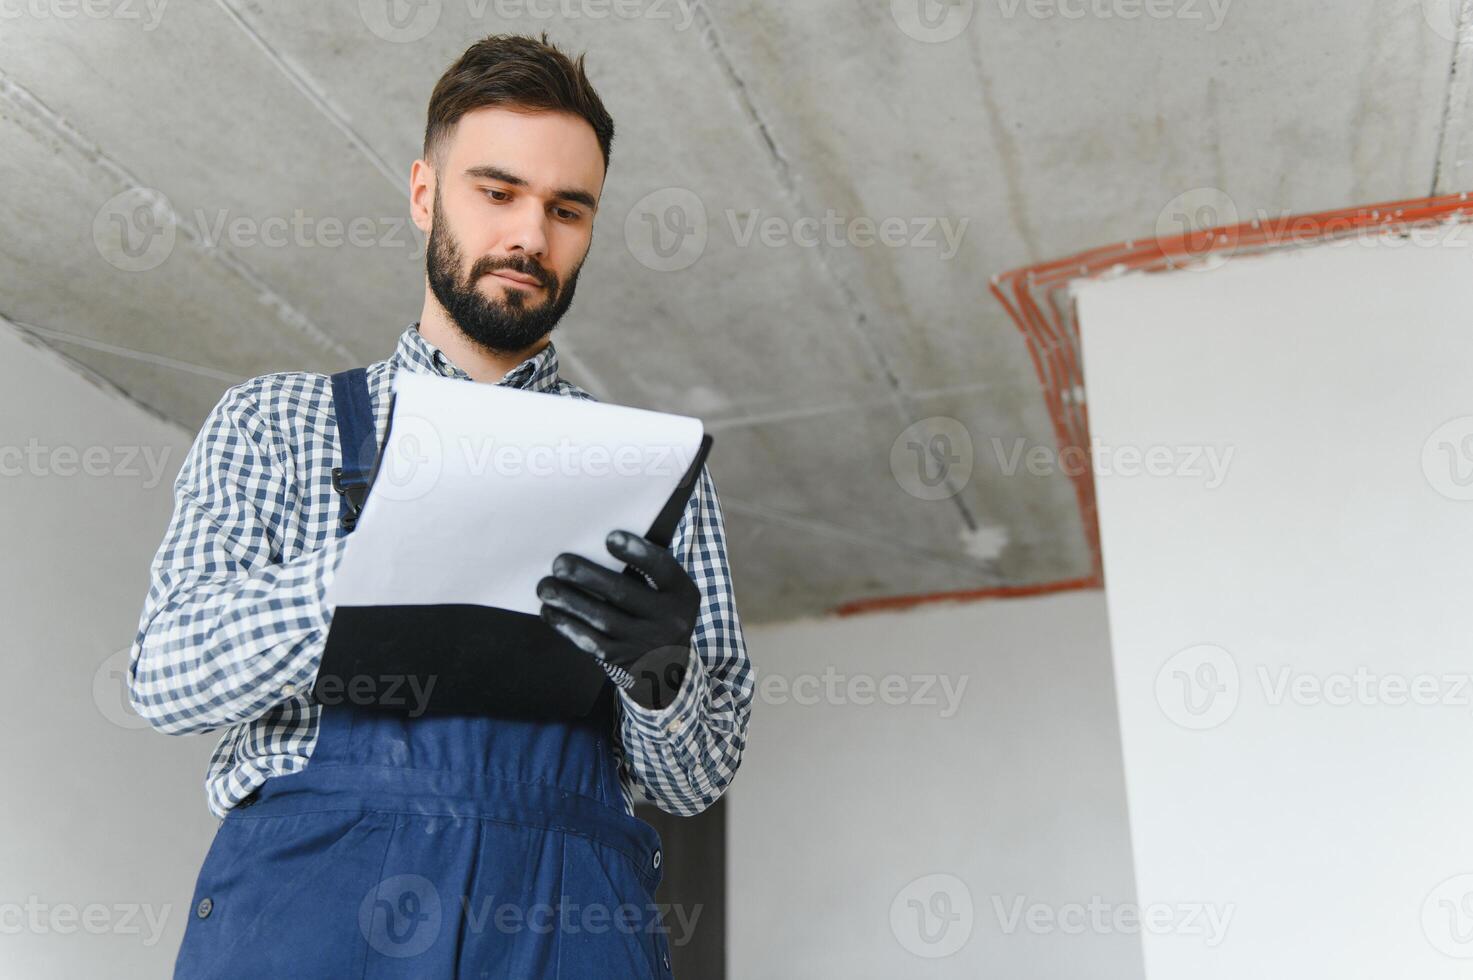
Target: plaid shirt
pixel 234 624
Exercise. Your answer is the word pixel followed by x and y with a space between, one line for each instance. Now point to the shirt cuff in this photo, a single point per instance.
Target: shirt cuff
pixel 677 716
pixel 621 677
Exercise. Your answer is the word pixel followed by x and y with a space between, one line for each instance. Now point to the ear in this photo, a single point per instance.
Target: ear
pixel 422 179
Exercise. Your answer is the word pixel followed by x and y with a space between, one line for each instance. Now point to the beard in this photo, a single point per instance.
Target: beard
pixel 504 325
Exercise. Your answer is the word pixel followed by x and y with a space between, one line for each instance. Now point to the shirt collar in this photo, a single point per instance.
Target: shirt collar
pixel 537 373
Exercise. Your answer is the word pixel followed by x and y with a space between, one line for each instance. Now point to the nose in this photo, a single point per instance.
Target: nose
pixel 528 231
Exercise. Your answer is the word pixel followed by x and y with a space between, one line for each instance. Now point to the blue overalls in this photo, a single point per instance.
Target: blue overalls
pixel 437 846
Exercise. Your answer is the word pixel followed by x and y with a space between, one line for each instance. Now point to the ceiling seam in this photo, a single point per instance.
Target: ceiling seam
pixel 1455 101
pixel 858 319
pixel 314 95
pixel 710 33
pixel 829 530
pixel 58 126
pixel 33 336
pixel 51 334
pixel 818 411
pixel 1007 155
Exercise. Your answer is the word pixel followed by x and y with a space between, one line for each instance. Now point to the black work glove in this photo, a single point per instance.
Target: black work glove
pixel 642 623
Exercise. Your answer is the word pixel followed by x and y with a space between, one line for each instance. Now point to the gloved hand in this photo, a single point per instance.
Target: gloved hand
pixel 642 626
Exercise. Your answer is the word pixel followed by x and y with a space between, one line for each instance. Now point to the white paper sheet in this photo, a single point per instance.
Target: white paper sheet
pixel 482 486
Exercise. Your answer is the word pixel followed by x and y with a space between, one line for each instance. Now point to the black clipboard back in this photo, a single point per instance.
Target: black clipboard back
pixel 468 659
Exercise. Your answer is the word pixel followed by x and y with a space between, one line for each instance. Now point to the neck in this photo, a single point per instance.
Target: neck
pixel 478 362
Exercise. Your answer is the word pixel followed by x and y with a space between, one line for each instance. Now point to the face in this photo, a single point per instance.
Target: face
pixel 512 220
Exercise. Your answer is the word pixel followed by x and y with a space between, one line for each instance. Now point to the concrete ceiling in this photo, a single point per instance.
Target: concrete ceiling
pixel 1035 127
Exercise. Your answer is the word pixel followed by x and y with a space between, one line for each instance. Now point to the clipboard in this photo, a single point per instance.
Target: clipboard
pixel 472 659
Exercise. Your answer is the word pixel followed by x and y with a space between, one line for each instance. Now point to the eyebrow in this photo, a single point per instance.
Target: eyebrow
pixel 572 194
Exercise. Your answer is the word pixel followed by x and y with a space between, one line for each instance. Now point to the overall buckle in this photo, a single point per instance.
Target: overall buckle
pixel 353 489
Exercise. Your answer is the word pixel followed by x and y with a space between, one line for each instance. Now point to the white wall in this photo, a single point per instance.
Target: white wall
pixel 98 809
pixel 1292 635
pixel 840 806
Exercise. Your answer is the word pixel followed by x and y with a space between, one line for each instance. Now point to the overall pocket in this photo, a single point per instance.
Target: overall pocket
pixel 281 894
pixel 611 922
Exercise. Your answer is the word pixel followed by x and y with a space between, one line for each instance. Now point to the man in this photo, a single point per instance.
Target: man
pixel 362 842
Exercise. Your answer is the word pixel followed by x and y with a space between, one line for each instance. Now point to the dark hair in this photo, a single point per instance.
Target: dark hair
pixel 518 73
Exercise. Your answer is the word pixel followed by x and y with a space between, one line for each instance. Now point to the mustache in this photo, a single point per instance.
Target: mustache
pixel 525 267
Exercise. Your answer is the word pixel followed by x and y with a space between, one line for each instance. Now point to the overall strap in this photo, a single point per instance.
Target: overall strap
pixel 358 449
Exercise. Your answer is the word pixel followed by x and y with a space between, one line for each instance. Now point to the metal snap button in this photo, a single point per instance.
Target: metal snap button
pixel 204 908
pixel 657 859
